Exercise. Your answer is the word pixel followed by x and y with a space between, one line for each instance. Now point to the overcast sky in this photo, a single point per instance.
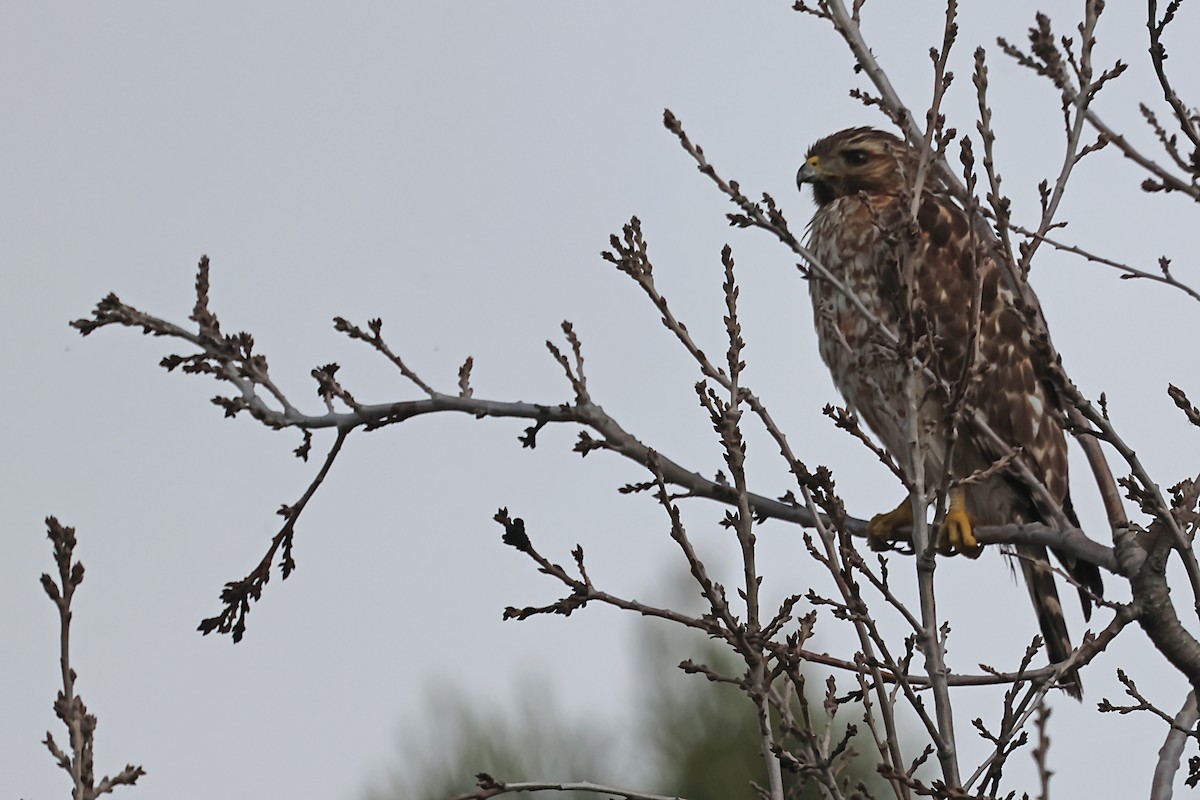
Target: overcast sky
pixel 455 168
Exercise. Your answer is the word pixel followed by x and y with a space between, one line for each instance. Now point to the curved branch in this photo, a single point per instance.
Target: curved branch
pixel 1172 749
pixel 1158 618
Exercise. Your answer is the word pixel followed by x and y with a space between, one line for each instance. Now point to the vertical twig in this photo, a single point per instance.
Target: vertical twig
pixel 1042 751
pixel 1158 55
pixel 735 458
pixel 69 706
pixel 1075 128
pixel 933 117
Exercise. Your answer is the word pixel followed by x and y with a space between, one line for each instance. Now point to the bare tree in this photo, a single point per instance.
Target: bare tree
pixel 887 676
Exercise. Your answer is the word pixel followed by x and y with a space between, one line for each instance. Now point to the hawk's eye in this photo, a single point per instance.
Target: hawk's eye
pixel 856 158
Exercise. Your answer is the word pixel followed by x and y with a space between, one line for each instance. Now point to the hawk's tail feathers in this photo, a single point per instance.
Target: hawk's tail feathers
pixel 1086 574
pixel 1039 579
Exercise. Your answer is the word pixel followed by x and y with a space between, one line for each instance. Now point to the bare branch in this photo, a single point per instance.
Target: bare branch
pixel 1022 710
pixel 1171 752
pixel 240 594
pixel 934 119
pixel 1162 276
pixel 375 340
pixel 1042 751
pixel 582 591
pixel 69 706
pixel 1186 118
pixel 1164 180
pixel 1181 401
pixel 490 787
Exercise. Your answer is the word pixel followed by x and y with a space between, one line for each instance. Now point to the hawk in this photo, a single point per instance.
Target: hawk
pixel 922 280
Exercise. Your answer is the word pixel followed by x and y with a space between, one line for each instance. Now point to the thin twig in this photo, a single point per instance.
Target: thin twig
pixel 69 706
pixel 1128 272
pixel 1158 56
pixel 1089 649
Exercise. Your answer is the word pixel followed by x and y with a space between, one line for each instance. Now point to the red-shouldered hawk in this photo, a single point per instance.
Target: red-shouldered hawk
pixel 863 234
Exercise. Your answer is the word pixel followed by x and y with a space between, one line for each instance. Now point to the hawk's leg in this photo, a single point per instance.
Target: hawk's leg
pixel 881 530
pixel 955 534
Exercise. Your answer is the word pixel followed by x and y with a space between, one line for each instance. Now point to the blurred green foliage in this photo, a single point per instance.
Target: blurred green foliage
pixel 690 737
pixel 458 739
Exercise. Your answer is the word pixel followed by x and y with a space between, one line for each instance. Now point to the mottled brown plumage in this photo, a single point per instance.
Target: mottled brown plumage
pixel 863 233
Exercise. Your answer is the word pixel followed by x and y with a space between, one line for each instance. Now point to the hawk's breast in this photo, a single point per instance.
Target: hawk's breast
pixel 866 369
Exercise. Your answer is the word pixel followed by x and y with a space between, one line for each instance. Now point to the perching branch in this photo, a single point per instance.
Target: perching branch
pixel 232 360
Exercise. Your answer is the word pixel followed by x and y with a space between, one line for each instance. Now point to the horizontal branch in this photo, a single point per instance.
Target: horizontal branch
pixel 952 679
pixel 248 373
pixel 490 787
pixel 1072 541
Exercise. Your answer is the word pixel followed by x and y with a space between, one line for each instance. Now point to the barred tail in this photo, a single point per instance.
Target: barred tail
pixel 1035 565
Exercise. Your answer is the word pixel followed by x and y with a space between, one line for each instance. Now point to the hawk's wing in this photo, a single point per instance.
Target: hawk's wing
pixel 1010 393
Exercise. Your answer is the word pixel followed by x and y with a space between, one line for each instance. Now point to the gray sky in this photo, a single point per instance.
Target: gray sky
pixel 455 168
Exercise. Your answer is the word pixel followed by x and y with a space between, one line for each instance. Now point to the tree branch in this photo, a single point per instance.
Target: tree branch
pixel 1171 752
pixel 69 706
pixel 490 787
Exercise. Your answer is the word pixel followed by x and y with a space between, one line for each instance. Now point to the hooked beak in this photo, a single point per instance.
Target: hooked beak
pixel 809 172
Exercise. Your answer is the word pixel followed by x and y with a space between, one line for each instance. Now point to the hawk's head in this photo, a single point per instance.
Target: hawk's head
pixel 852 161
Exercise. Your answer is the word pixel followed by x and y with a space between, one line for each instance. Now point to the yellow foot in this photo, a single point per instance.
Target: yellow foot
pixel 955 534
pixel 881 530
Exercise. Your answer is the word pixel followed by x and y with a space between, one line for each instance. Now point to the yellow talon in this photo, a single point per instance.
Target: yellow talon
pixel 955 534
pixel 881 530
